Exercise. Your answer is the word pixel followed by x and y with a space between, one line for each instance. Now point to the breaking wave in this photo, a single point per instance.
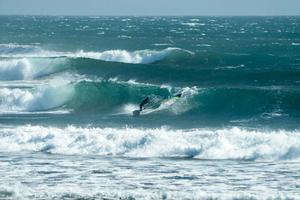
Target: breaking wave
pixel 93 96
pixel 135 57
pixel 45 97
pixel 26 69
pixel 231 143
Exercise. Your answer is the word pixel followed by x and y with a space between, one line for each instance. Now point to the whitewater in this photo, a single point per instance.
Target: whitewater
pixel 69 85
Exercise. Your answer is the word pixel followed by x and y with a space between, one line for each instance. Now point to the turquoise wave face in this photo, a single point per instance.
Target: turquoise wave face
pixel 229 70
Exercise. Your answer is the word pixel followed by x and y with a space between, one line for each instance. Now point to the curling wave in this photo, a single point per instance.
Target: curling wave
pixel 82 95
pixel 92 96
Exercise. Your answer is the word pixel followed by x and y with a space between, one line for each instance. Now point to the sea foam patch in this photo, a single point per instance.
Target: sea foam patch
pixel 231 143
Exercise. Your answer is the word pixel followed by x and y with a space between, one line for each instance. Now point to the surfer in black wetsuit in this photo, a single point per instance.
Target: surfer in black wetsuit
pixel 143 103
pixel 147 100
pixel 178 95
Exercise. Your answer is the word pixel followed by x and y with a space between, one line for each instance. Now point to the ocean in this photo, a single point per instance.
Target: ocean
pixel 69 85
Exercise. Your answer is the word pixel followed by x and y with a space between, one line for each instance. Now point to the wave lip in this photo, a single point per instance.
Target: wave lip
pixel 42 98
pixel 27 69
pixel 231 143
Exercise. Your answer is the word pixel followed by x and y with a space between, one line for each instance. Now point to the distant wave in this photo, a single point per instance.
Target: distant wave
pixel 141 56
pixel 230 143
pixel 146 56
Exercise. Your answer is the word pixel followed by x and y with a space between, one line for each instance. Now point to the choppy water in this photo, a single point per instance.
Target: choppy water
pixel 68 86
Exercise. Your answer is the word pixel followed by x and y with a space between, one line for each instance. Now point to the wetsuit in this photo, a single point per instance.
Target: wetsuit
pixel 144 102
pixel 178 95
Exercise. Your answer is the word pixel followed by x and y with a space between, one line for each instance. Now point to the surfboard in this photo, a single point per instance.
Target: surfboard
pixel 136 113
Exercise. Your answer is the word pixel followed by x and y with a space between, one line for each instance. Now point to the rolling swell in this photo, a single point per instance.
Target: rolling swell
pixel 177 74
pixel 158 73
pixel 249 101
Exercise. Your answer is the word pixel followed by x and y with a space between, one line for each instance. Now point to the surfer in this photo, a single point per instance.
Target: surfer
pixel 136 113
pixel 178 95
pixel 147 101
pixel 143 103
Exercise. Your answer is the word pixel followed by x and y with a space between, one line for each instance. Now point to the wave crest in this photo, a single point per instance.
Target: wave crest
pixel 135 57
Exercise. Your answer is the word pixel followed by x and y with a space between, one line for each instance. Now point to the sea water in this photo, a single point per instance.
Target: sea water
pixel 69 85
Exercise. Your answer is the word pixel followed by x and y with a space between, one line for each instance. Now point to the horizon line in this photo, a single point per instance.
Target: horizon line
pixel 93 15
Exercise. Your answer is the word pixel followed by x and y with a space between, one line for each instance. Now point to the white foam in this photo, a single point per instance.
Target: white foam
pixel 162 44
pixel 194 20
pixel 11 48
pixel 42 98
pixel 193 24
pixel 21 83
pixel 203 45
pixel 127 109
pixel 230 143
pixel 82 191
